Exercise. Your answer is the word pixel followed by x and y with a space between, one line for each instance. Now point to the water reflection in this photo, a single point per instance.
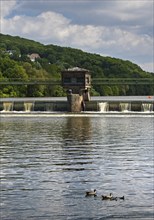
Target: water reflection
pixel 77 128
pixel 77 143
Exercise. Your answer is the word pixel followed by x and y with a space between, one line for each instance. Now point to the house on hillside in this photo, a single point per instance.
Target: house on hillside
pixel 34 56
pixel 11 52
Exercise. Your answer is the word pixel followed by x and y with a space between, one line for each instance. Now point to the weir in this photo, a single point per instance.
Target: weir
pixel 104 104
pixel 77 83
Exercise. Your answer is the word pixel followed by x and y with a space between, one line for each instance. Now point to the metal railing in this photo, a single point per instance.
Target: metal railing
pixel 95 81
pixel 18 81
pixel 123 81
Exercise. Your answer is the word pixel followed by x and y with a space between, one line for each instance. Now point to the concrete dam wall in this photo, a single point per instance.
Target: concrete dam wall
pixel 61 104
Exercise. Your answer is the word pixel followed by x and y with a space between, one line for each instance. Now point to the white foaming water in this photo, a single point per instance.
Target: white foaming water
pixel 103 106
pixel 28 106
pixel 147 107
pixel 7 106
pixel 33 114
pixel 125 107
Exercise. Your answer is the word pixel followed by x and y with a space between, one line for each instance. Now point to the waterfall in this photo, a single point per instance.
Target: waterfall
pixel 147 107
pixel 124 107
pixel 8 106
pixel 28 106
pixel 103 106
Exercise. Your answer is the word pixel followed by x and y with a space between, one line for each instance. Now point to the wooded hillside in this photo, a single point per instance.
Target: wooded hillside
pixel 26 59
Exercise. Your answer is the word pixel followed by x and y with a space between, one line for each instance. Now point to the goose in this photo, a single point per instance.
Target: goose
pixel 114 198
pixel 122 197
pixel 91 193
pixel 105 197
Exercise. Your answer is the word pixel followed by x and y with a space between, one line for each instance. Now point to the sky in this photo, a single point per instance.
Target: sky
pixel 117 28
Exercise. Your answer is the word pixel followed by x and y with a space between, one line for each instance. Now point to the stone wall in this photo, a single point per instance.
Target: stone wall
pixel 75 102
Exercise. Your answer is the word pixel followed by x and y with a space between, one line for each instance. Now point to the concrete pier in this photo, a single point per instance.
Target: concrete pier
pixel 75 103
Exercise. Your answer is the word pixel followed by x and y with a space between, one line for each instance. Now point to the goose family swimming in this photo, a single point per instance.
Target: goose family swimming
pixel 110 197
pixel 104 197
pixel 91 193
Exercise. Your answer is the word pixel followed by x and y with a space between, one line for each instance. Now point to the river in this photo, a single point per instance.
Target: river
pixel 48 163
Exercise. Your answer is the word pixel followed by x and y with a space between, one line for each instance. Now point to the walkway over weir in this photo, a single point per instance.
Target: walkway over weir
pixel 95 81
pixel 93 98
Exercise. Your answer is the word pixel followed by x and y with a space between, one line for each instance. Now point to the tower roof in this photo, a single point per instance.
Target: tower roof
pixel 77 69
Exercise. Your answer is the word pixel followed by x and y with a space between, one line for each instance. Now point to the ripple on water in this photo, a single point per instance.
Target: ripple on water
pixel 47 165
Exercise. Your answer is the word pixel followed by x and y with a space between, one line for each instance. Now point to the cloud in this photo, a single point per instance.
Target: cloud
pixel 125 13
pixel 147 66
pixel 51 27
pixel 7 7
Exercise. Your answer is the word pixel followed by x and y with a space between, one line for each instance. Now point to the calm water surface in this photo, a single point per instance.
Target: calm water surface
pixel 47 164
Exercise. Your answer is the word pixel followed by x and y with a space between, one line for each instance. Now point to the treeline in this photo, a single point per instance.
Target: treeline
pixel 15 62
